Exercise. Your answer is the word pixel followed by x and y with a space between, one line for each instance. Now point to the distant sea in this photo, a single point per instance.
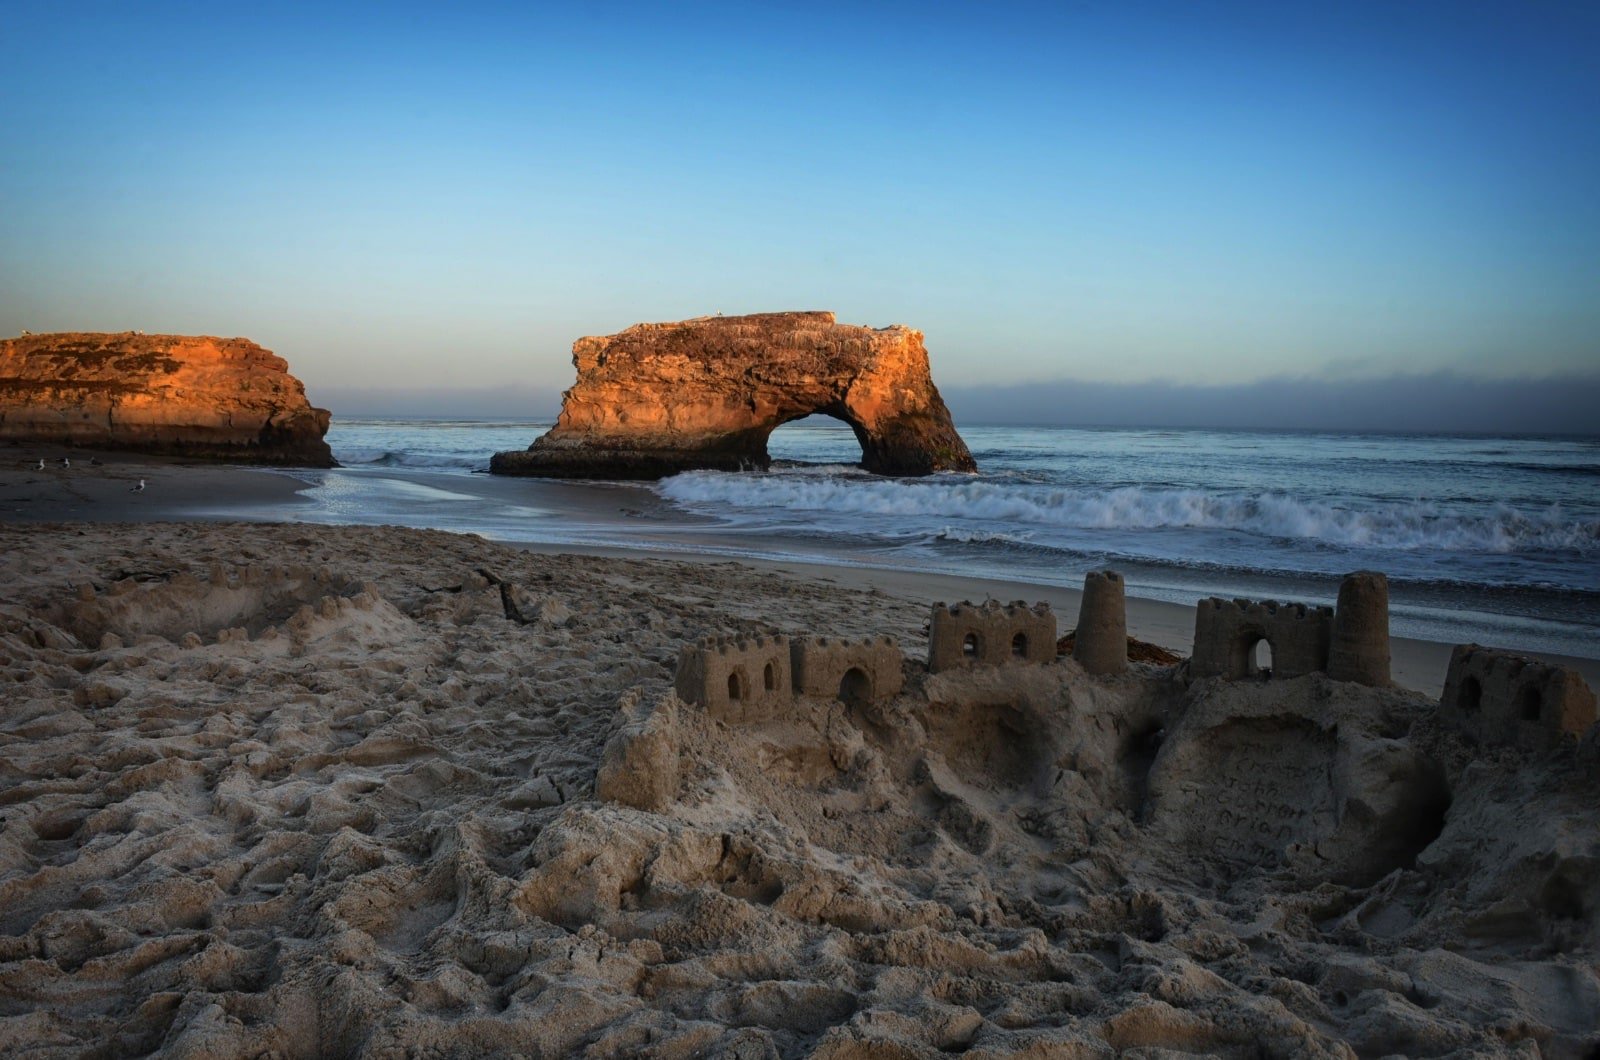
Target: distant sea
pixel 1483 538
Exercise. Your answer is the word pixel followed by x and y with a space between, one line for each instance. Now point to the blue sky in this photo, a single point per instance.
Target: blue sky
pixel 409 199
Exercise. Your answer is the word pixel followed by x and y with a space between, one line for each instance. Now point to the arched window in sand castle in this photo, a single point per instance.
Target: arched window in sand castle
pixel 1019 645
pixel 1471 695
pixel 1529 703
pixel 1261 657
pixel 770 677
pixel 736 685
pixel 969 646
pixel 855 686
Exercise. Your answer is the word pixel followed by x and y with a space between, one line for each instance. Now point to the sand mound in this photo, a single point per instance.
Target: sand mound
pixel 455 808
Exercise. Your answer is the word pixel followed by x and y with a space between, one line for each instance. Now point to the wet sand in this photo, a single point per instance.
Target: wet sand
pixel 98 486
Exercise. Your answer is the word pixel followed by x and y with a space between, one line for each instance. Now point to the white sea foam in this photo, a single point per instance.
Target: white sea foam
pixel 1400 525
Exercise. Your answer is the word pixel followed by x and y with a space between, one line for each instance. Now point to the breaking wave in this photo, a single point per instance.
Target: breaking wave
pixel 411 458
pixel 1399 525
pixel 972 537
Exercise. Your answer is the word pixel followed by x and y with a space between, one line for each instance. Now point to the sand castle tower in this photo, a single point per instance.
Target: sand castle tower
pixel 1101 645
pixel 1359 649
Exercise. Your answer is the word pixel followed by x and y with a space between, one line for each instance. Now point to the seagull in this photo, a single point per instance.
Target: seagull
pixel 41 464
pixel 66 461
pixel 139 488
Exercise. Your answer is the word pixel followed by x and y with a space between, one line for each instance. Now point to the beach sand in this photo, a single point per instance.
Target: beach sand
pixel 349 791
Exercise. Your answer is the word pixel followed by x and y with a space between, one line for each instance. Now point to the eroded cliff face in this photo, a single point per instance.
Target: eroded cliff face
pixel 186 395
pixel 657 399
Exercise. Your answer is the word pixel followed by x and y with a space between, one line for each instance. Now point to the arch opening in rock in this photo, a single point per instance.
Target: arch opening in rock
pixel 818 438
pixel 736 686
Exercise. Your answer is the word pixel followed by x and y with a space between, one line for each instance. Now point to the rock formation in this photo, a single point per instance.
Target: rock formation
pixel 657 399
pixel 184 395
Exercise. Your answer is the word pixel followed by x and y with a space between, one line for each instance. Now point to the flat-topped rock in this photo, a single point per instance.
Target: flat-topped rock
pixel 657 399
pixel 186 395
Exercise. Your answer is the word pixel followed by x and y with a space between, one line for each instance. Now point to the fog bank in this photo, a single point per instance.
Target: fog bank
pixel 1441 403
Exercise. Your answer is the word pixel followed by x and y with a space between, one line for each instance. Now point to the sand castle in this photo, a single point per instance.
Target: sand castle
pixel 858 671
pixel 1350 643
pixel 1493 696
pixel 746 678
pixel 1226 633
pixel 1496 697
pixel 736 678
pixel 989 634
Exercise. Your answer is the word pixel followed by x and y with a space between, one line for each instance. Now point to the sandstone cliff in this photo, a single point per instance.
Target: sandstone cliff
pixel 186 395
pixel 706 393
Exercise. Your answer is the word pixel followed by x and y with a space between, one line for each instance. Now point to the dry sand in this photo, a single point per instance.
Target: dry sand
pixel 300 791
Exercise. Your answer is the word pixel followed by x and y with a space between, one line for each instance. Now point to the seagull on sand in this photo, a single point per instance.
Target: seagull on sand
pixel 139 488
pixel 66 461
pixel 41 464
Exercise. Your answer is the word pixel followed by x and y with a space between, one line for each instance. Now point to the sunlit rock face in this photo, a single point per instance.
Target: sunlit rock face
pixel 706 393
pixel 185 395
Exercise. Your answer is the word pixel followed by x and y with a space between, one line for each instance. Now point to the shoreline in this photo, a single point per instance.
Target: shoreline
pixel 192 492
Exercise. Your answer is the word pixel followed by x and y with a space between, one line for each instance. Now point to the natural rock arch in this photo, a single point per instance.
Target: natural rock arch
pixel 657 399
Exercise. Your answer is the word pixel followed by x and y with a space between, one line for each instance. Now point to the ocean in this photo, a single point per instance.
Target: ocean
pixel 1489 539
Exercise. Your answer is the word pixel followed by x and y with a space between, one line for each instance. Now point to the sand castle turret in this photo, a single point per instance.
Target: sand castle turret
pixel 1101 643
pixel 1359 648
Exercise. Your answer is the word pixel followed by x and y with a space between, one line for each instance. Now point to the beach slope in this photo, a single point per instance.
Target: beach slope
pixel 361 791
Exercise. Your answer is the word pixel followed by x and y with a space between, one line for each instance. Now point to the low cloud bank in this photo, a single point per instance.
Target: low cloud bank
pixel 1442 402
